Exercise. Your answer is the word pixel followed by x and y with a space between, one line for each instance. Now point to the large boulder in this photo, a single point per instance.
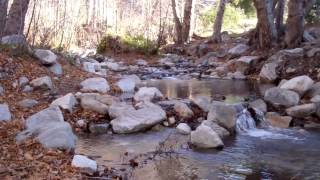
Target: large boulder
pixel 205 137
pixel 56 69
pixel 103 98
pixel 259 104
pixel 238 50
pixel 42 83
pixel 301 111
pixel 222 132
pixel 314 90
pixel 5 114
pixel 94 105
pixel 203 102
pixel 244 63
pixel 117 109
pixel 300 84
pixel 128 83
pixel 95 85
pixel 268 72
pixel 277 120
pixel 46 57
pixel 15 40
pixel 281 97
pixel 147 94
pixel 182 110
pixel 132 121
pixel 66 102
pixel 184 128
pixel 224 115
pixel 50 129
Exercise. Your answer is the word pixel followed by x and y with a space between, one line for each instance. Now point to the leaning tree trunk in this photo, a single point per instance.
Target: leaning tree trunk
pixel 295 23
pixel 3 15
pixel 266 32
pixel 187 20
pixel 216 37
pixel 178 24
pixel 16 17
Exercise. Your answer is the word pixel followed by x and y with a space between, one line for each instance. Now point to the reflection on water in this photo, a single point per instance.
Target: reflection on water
pixel 192 88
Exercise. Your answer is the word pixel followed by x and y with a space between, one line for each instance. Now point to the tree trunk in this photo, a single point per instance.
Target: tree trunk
pixel 3 15
pixel 187 19
pixel 16 17
pixel 265 31
pixel 279 16
pixel 295 23
pixel 216 37
pixel 178 24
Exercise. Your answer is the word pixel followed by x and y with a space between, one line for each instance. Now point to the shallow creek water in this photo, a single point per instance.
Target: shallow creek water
pixel 165 154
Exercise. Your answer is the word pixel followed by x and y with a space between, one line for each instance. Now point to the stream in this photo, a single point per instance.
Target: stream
pixel 164 154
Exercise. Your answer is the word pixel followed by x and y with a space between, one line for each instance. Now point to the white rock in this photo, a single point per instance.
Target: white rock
pixel 44 83
pixel 300 84
pixel 46 57
pixel 66 102
pixel 5 114
pixel 95 85
pixel 277 96
pixel 205 137
pixel 136 120
pixel 222 132
pixel 183 110
pixel 147 94
pixel 184 128
pixel 85 163
pixel 126 85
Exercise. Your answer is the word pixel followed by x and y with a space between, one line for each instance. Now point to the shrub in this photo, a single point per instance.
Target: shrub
pixel 314 14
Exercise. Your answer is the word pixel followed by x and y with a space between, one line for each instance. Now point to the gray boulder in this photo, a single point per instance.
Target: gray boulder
pixel 184 128
pixel 314 90
pixel 205 137
pixel 84 163
pixel 301 111
pixel 5 114
pixel 259 104
pixel 224 115
pixel 238 50
pixel 300 84
pixel 128 83
pixel 268 72
pixel 147 94
pixel 28 103
pixel 56 69
pixel 49 128
pixel 244 63
pixel 117 109
pixel 132 121
pixel 95 85
pixel 276 120
pixel 222 132
pixel 203 102
pixel 66 102
pixel 23 81
pixel 94 105
pixel 27 89
pixel 42 83
pixel 277 96
pixel 46 57
pixel 15 40
pixel 183 110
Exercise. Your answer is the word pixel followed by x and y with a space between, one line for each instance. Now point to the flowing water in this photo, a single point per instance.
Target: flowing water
pixel 255 153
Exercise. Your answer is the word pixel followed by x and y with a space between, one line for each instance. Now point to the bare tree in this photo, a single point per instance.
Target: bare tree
pixel 279 13
pixel 3 15
pixel 16 17
pixel 216 37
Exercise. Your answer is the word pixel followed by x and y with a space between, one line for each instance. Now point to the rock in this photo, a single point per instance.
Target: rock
pixel 141 62
pixel 15 40
pixel 184 128
pixel 88 67
pixel 313 52
pixel 27 89
pixel 115 110
pixel 111 65
pixel 222 132
pixel 282 82
pixel 94 105
pixel 277 120
pixel 259 104
pixel 238 75
pixel 81 123
pixel 28 103
pixel 223 115
pixel 172 120
pixel 203 102
pixel 292 53
pixel 300 84
pixel 42 83
pixel 95 85
pixel 5 114
pixel 98 128
pixel 301 111
pixel 244 63
pixel 126 84
pixel 277 96
pixel 84 163
pixel 46 57
pixel 183 110
pixel 205 137
pixel 268 72
pixel 23 81
pixel 66 102
pixel 2 91
pixel 147 94
pixel 307 37
pixel 104 99
pixel 49 128
pixel 238 50
pixel 314 90
pixel 132 121
pixel 56 69
pixel 316 99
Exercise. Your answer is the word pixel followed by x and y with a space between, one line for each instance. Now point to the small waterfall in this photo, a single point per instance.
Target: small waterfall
pixel 245 121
